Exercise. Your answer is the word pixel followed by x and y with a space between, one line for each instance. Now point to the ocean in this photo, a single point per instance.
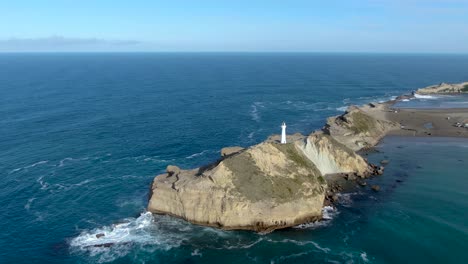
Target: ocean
pixel 82 136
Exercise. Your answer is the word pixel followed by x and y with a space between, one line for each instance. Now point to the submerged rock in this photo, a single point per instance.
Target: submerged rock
pixel 384 162
pixel 375 188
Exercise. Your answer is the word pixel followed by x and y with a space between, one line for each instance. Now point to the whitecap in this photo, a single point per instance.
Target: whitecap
pixel 196 154
pixel 405 100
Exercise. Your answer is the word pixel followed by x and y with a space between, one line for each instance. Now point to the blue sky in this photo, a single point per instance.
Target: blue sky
pixel 320 26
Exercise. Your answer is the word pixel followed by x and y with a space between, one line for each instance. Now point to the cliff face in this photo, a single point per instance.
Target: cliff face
pixel 361 127
pixel 445 88
pixel 265 187
pixel 332 157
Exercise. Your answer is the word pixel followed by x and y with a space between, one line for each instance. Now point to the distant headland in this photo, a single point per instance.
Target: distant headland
pixel 274 184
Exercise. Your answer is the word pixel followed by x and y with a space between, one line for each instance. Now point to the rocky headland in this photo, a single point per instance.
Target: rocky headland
pixel 445 88
pixel 271 185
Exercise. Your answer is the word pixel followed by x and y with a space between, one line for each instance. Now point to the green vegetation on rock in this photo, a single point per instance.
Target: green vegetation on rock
pixel 465 88
pixel 361 122
pixel 255 185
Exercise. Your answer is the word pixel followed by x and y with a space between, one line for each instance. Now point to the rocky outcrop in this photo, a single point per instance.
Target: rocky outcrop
pixel 265 187
pixel 446 88
pixel 230 150
pixel 360 127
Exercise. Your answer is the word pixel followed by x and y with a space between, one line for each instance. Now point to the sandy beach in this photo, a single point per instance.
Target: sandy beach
pixel 429 122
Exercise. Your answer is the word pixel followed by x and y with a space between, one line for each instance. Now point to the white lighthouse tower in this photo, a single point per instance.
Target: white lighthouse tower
pixel 283 133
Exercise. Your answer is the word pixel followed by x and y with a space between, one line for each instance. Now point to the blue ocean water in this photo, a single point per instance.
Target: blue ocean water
pixel 82 136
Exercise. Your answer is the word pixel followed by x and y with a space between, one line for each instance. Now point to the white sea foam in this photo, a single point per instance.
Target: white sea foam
pixel 301 243
pixel 44 184
pixel 196 252
pixel 254 112
pixel 422 96
pixel 29 166
pixel 345 199
pixel 328 213
pixel 60 186
pixel 405 100
pixel 109 243
pixel 196 154
pixel 27 206
pixel 64 161
pixel 342 108
pixel 364 257
pixel 383 100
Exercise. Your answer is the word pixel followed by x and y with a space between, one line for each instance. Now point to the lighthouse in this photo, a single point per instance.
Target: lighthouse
pixel 283 133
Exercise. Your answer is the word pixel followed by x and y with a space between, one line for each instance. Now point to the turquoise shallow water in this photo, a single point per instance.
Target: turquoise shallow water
pixel 82 136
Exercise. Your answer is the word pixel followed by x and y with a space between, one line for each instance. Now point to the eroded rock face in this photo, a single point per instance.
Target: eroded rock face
pixel 445 88
pixel 265 187
pixel 360 128
pixel 332 157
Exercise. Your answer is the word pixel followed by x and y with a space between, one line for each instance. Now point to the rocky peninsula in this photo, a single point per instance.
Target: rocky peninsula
pixel 271 185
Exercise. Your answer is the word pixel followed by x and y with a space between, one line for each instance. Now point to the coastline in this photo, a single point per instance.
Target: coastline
pixel 359 129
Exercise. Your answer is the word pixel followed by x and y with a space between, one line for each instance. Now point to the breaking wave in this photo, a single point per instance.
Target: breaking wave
pixel 109 243
pixel 342 108
pixel 328 213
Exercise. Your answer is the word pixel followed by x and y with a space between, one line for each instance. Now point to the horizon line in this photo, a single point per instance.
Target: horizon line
pixel 237 52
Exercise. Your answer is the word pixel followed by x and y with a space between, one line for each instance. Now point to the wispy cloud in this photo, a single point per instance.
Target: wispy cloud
pixel 60 43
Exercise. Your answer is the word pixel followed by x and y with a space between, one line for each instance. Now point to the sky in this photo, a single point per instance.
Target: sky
pixel 414 26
